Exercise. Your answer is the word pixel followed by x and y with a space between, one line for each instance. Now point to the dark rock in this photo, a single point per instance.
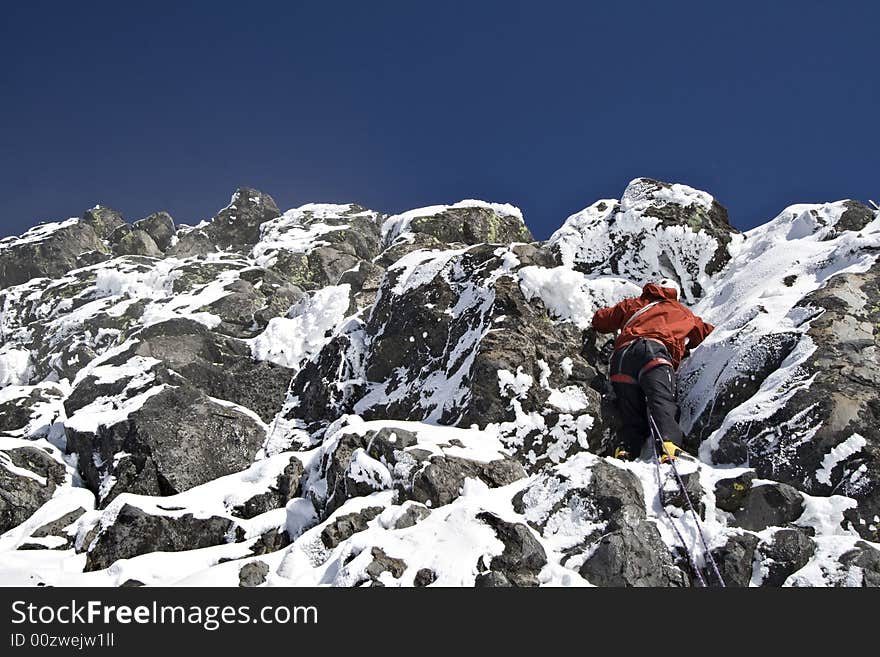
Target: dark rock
pixel 131 583
pixel 441 480
pixel 191 242
pixel 137 242
pixel 492 579
pixel 866 558
pixel 788 551
pixel 730 494
pixel 253 574
pixel 735 559
pixel 673 496
pixel 632 556
pixel 56 528
pixel 238 224
pixel 382 563
pixel 287 487
pixel 135 532
pixel 769 505
pixel 382 444
pixel 37 253
pixel 523 556
pixel 159 226
pixel 411 516
pixel 103 220
pixel 841 400
pixel 20 494
pixel 178 439
pixel 424 577
pixel 473 226
pixel 270 541
pixel 346 526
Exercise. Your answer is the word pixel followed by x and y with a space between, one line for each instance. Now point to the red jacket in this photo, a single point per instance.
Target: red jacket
pixel 667 321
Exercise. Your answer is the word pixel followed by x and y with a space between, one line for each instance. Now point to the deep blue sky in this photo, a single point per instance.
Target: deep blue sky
pixel 546 105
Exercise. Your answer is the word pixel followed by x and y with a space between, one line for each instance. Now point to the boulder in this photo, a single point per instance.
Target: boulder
pixel 735 559
pixel 473 225
pixel 159 226
pixel 103 220
pixel 864 560
pixel 178 438
pixel 137 242
pixel 238 224
pixel 286 487
pixel 253 573
pixel 29 478
pixel 787 551
pixel 632 556
pixel 346 526
pixel 49 250
pixel 682 224
pixel 134 532
pixel 523 556
pixel 769 505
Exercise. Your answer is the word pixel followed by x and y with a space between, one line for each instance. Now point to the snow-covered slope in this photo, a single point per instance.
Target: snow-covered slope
pixel 332 396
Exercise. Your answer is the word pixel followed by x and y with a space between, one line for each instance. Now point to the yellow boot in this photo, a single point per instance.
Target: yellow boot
pixel 670 451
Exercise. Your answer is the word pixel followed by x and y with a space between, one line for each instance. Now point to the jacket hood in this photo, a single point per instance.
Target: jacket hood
pixel 655 291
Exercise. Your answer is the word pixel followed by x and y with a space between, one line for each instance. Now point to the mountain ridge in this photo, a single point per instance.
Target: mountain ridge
pixel 333 392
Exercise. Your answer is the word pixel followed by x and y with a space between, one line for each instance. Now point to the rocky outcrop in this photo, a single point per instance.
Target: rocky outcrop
pixel 134 531
pixel 178 438
pixel 28 479
pixel 159 226
pixel 49 250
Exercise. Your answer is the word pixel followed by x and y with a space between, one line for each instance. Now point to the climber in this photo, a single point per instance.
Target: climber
pixel 656 333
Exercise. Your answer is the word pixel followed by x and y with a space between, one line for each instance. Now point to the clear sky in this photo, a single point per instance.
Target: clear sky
pixel 546 105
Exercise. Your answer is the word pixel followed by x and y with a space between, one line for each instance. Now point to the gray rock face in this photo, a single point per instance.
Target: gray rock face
pixel 473 225
pixel 346 526
pixel 239 223
pixel 287 487
pixel 735 559
pixel 137 242
pixel 415 474
pixel 787 552
pixel 21 494
pixel 497 329
pixel 103 220
pixel 730 494
pixel 135 532
pixel 178 439
pixel 159 226
pixel 522 559
pixel 866 559
pixel 646 212
pixel 769 505
pixel 841 402
pixel 50 250
pixel 253 574
pixel 383 563
pixel 632 556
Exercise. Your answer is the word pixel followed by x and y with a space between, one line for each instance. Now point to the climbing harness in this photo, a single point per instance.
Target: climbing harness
pixel 657 439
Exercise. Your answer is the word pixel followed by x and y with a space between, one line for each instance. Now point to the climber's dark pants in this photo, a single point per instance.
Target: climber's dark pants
pixel 642 377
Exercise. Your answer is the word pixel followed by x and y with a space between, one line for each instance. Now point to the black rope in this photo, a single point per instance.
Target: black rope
pixel 657 438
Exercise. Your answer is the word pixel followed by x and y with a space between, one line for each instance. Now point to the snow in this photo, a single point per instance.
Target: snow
pixel 844 450
pixel 107 411
pixel 15 366
pixel 517 384
pixel 293 340
pixel 571 296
